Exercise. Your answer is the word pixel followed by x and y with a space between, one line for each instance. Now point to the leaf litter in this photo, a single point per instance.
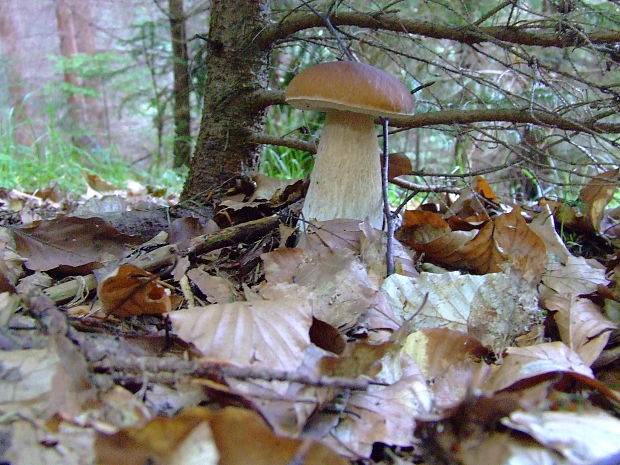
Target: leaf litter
pixel 229 344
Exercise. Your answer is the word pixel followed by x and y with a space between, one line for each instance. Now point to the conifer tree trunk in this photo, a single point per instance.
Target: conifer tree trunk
pixel 236 67
pixel 182 118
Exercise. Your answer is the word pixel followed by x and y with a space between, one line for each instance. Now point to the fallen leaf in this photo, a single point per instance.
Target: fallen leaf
pixel 385 414
pixel 582 437
pixel 217 289
pixel 522 363
pixel 130 291
pixel 582 326
pixel 493 308
pixel 71 242
pixel 577 276
pixel 343 294
pixel 596 194
pixel 199 435
pixel 505 449
pixel 505 242
pixel 272 333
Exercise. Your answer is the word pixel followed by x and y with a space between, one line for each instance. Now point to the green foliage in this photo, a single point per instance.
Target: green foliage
pixel 54 159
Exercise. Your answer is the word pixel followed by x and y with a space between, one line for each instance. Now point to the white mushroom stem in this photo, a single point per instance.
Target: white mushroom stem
pixel 346 179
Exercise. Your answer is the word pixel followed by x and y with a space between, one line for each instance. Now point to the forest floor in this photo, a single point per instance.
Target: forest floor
pixel 135 330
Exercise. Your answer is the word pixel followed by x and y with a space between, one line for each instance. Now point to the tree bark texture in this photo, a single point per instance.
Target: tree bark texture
pixel 236 69
pixel 69 47
pixel 182 126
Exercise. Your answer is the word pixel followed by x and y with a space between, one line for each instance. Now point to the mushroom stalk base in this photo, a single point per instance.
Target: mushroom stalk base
pixel 346 180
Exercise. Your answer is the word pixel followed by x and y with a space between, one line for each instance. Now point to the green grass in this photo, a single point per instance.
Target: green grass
pixel 53 159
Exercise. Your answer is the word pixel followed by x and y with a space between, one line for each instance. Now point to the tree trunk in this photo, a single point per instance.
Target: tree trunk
pixel 182 121
pixel 236 67
pixel 68 47
pixel 9 46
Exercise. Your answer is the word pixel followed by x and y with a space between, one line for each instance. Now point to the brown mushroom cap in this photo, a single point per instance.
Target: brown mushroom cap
pixel 349 86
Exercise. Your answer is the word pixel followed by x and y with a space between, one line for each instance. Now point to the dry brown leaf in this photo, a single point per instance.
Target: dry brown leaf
pixel 399 164
pixel 505 242
pixel 130 291
pixel 582 326
pixel 596 194
pixel 70 242
pixel 543 225
pixel 505 449
pixel 183 229
pixel 522 249
pixel 237 436
pixel 41 382
pixel 436 349
pixel 217 289
pixel 577 276
pixel 343 294
pixel 271 333
pixel 384 414
pixel 358 359
pixel 334 234
pixel 493 308
pixel 582 437
pixel 268 188
pixel 522 363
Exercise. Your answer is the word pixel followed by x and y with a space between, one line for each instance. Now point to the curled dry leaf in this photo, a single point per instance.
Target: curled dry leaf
pixel 522 363
pixel 271 333
pixel 505 242
pixel 130 291
pixel 582 326
pixel 343 294
pixel 582 437
pixel 494 308
pixel 595 196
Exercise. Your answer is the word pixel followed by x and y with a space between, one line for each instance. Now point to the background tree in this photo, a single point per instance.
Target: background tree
pixel 531 85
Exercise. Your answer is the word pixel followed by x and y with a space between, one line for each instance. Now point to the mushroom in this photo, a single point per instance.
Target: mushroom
pixel 346 180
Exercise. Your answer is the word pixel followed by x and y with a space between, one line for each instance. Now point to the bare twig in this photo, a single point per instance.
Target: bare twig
pixel 166 255
pixel 465 34
pixel 172 368
pixel 387 214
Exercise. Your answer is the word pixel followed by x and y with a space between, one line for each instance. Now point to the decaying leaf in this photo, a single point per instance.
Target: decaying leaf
pixel 217 289
pixel 271 333
pixel 493 308
pixel 582 326
pixel 130 291
pixel 231 436
pixel 577 276
pixel 70 242
pixel 595 196
pixel 521 363
pixel 506 242
pixel 343 294
pixel 582 437
pixel 384 414
pixel 42 382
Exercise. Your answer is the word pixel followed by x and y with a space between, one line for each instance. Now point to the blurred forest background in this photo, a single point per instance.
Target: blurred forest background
pixel 91 85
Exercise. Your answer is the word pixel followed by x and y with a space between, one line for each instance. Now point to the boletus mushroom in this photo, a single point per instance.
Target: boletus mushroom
pixel 346 180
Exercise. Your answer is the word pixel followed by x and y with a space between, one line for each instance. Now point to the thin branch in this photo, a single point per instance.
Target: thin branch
pixel 422 187
pixel 464 34
pixel 262 138
pixel 389 218
pixel 516 115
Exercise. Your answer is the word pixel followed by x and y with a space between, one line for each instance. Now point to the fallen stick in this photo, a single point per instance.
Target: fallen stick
pixel 167 254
